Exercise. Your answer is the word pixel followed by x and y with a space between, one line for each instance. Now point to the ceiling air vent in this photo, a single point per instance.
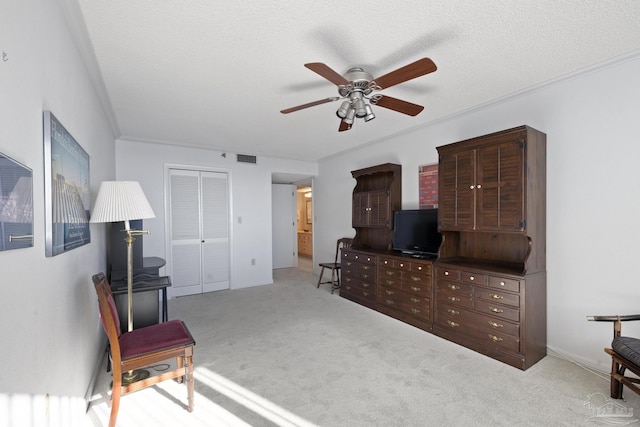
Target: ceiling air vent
pixel 245 158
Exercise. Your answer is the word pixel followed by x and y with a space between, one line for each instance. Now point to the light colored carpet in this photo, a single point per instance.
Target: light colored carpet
pixel 289 354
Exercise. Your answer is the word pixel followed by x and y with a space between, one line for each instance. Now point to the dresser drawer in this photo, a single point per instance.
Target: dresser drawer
pixel 417 287
pixel 391 282
pixel 473 278
pixel 368 272
pixel 417 306
pixel 456 298
pixel 360 288
pixel 421 268
pixel 447 273
pixel 498 310
pixel 504 283
pixel 460 321
pixel 457 287
pixel 350 268
pixel 490 295
pixel 386 262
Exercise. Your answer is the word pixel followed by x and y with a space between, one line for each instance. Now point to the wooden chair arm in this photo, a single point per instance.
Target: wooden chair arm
pixel 612 318
pixel 617 321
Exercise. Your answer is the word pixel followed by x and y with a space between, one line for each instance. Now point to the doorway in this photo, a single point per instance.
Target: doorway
pixel 304 208
pixel 299 230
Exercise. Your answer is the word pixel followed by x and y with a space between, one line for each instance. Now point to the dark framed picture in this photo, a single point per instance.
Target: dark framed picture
pixel 67 191
pixel 16 205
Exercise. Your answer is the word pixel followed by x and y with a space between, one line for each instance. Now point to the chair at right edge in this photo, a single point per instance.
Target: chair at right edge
pixel 334 266
pixel 625 354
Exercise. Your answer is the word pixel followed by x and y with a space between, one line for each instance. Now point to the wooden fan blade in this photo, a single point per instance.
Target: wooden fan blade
pixel 398 105
pixel 326 72
pixel 415 69
pixel 343 126
pixel 310 104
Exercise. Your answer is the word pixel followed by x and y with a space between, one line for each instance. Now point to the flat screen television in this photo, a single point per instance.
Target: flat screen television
pixel 415 232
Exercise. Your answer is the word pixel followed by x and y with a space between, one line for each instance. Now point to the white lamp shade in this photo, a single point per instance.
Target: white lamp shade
pixel 120 201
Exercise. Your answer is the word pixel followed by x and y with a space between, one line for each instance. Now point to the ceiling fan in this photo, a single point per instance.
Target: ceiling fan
pixel 356 86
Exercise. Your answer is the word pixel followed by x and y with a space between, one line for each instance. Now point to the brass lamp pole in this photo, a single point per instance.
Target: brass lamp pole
pixel 124 201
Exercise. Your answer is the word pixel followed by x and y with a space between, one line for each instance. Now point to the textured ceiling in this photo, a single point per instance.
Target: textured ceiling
pixel 215 74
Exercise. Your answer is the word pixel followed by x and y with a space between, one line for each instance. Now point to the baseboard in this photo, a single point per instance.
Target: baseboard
pixel 99 365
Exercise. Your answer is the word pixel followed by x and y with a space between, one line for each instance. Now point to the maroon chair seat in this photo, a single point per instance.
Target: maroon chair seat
pixel 149 339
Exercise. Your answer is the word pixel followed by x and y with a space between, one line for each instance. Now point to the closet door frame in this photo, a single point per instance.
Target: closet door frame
pixel 167 208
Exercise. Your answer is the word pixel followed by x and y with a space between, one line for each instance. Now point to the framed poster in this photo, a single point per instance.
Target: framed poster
pixel 66 189
pixel 16 205
pixel 428 186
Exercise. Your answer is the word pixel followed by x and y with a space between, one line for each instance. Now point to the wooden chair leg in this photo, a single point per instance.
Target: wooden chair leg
pixel 115 400
pixel 179 364
pixel 190 381
pixel 320 278
pixel 616 385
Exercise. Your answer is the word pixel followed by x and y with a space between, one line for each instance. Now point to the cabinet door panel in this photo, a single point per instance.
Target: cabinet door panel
pixel 360 210
pixel 456 191
pixel 379 209
pixel 500 187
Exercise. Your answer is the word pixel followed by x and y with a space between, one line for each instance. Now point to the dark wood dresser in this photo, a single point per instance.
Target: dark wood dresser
pixel 486 290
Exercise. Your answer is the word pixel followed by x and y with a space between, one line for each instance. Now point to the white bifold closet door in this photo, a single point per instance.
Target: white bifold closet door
pixel 199 222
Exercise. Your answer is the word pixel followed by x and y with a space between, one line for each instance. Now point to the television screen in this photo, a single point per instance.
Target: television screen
pixel 415 232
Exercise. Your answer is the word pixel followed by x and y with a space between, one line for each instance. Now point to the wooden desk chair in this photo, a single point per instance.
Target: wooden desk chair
pixel 625 354
pixel 334 266
pixel 142 348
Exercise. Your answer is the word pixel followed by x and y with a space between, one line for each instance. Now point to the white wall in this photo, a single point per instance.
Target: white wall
pixel 593 193
pixel 50 332
pixel 250 199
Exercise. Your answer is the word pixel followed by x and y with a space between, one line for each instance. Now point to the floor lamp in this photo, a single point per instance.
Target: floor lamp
pixel 124 201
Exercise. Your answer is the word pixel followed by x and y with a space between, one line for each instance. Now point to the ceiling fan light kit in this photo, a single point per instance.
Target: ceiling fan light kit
pixel 356 86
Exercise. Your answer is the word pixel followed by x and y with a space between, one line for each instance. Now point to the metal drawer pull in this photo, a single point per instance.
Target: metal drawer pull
pixel 453 287
pixel 390 273
pixel 502 283
pixel 415 300
pixel 496 296
pixel 401 265
pixel 390 282
pixel 453 312
pixel 416 278
pixel 446 273
pixel 390 302
pixel 454 299
pixel 495 325
pixel 496 310
pixel 419 268
pixel 389 292
pixel 347 279
pixel 416 289
pixel 453 324
pixel 415 310
pixel 495 338
pixel 472 278
pixel 365 285
pixel 365 276
pixel 348 288
pixel 366 294
pixel 365 267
